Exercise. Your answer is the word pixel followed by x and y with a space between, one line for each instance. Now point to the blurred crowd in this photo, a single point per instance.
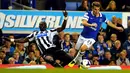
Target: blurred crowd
pixel 83 5
pixel 112 47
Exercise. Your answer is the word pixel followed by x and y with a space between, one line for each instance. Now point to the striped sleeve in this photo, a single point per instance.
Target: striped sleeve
pixel 86 17
pixel 54 31
pixel 31 37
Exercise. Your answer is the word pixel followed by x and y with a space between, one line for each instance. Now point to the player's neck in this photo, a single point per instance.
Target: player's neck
pixel 96 15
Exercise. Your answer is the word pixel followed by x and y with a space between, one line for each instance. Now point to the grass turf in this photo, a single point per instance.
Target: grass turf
pixel 58 70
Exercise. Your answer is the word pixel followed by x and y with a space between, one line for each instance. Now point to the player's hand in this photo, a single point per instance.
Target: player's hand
pixel 8 39
pixel 65 13
pixel 94 25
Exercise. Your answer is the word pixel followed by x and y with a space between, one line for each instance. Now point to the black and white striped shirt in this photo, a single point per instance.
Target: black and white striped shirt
pixel 44 39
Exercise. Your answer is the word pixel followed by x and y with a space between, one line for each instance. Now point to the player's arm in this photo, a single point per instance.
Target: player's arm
pixel 114 26
pixel 29 38
pixel 85 20
pixel 64 22
pixel 21 40
pixel 85 23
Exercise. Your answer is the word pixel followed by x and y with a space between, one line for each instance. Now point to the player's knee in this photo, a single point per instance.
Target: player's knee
pixel 83 48
pixel 49 58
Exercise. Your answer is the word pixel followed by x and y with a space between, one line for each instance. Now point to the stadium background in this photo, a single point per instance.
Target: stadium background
pixel 32 7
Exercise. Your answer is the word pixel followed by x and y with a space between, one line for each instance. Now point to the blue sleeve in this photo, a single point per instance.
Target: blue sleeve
pixel 104 18
pixel 86 16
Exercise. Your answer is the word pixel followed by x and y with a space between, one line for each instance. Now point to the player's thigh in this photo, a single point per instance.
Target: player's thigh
pixel 63 56
pixel 83 48
pixel 49 57
pixel 87 44
pixel 80 41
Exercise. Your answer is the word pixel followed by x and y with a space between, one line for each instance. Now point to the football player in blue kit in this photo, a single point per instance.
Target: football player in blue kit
pixel 91 22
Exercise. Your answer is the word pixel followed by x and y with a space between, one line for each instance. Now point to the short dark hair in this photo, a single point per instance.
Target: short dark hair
pixel 42 22
pixel 96 4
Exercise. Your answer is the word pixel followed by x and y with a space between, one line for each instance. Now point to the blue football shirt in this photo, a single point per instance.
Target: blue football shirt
pixel 91 32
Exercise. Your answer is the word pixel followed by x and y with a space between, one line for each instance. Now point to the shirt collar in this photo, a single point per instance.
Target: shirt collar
pixel 100 15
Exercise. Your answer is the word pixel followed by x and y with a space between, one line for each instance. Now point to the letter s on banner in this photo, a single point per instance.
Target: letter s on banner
pixel 2 19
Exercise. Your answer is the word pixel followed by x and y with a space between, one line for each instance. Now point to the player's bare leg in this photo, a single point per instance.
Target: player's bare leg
pixel 78 58
pixel 85 46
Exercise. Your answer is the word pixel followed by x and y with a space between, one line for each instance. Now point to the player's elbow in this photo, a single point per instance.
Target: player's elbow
pixel 25 40
pixel 84 22
pixel 62 28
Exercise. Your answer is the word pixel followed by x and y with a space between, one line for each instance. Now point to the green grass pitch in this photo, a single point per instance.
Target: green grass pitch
pixel 58 70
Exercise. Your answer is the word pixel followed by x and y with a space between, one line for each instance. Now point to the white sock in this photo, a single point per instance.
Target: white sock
pixel 78 57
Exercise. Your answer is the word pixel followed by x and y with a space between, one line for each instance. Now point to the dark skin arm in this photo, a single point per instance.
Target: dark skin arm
pixel 64 22
pixel 21 40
